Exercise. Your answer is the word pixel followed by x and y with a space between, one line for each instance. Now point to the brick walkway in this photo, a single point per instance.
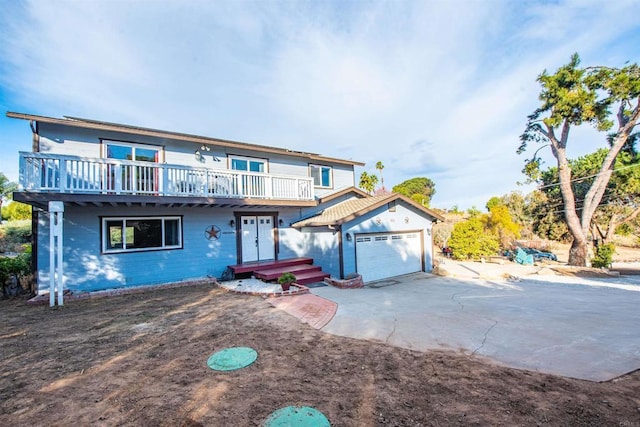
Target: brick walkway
pixel 311 309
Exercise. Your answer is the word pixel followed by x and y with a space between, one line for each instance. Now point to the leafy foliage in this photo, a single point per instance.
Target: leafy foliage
pixel 379 167
pixel 16 211
pixel 500 223
pixel 494 202
pixel 14 235
pixel 286 278
pixel 570 97
pixel 603 256
pixel 469 240
pixel 368 182
pixel 620 198
pixel 6 186
pixel 14 266
pixel 421 186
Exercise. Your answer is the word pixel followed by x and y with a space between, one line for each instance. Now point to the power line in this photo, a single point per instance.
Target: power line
pixel 589 176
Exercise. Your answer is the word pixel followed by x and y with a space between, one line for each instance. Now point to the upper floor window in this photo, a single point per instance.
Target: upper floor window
pixel 321 176
pixel 248 164
pixel 134 234
pixel 128 151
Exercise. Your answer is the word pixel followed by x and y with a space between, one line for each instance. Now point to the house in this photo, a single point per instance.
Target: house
pixel 120 206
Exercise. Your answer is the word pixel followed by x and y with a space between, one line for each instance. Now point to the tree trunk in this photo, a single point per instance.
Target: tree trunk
pixel 578 252
pixel 579 247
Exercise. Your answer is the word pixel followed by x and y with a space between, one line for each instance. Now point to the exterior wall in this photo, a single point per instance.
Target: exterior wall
pixel 86 268
pixel 381 221
pixel 321 244
pixel 67 140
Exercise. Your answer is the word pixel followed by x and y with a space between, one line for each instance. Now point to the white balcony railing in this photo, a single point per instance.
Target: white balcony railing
pixel 70 174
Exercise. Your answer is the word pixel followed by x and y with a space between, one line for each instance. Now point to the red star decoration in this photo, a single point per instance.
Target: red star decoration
pixel 212 233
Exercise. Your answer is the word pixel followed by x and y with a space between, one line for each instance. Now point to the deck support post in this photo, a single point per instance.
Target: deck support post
pixel 56 271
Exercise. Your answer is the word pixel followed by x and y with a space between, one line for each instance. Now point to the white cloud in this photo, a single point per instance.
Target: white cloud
pixel 440 89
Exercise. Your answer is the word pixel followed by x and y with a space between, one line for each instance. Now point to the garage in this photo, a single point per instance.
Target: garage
pixel 382 255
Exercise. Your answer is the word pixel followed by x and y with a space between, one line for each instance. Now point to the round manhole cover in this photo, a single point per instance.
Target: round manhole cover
pixel 299 416
pixel 232 358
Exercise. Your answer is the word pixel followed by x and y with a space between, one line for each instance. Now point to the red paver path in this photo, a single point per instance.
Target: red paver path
pixel 311 309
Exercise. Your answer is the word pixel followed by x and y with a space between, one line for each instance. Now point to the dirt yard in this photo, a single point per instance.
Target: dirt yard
pixel 141 360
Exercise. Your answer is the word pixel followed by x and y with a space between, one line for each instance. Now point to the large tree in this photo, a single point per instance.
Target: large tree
pixel 573 96
pixel 420 189
pixel 6 188
pixel 620 203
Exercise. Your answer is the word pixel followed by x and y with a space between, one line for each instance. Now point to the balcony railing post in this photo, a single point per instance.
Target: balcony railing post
pixel 164 182
pixel 268 186
pixel 117 170
pixel 62 165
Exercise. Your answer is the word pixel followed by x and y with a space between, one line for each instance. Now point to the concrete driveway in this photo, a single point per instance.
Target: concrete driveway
pixel 586 329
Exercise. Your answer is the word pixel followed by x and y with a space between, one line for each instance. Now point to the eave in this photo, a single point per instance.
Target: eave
pixel 41 200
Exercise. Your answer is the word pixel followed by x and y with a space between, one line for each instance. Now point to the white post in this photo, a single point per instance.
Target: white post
pixel 56 272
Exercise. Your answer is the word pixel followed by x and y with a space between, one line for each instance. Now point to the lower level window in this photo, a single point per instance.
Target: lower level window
pixel 141 233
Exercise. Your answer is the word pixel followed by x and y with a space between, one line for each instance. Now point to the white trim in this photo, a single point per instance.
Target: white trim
pixel 312 165
pixel 249 159
pixel 124 219
pixel 133 145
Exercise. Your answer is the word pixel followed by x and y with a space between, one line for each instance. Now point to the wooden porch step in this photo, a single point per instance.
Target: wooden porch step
pixel 274 273
pixel 311 277
pixel 250 267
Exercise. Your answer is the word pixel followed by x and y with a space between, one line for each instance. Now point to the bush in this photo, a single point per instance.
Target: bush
pixel 18 266
pixel 16 211
pixel 603 256
pixel 469 239
pixel 14 235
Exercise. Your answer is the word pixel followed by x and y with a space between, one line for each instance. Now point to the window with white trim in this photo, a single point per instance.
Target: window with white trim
pixel 248 164
pixel 135 234
pixel 321 176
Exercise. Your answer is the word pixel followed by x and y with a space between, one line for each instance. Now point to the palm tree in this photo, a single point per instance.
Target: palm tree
pixel 368 182
pixel 380 166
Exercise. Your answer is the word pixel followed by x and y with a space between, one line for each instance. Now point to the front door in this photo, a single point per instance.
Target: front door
pixel 257 238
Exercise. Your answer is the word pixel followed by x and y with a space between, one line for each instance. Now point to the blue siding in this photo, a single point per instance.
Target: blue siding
pixel 59 139
pixel 320 244
pixel 382 220
pixel 87 269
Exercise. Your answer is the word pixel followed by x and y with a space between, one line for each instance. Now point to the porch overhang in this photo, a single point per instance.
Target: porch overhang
pixel 41 200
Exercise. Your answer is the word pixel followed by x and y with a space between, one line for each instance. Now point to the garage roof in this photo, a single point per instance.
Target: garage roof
pixel 353 208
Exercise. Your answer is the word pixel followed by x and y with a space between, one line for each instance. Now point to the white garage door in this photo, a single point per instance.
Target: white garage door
pixel 386 255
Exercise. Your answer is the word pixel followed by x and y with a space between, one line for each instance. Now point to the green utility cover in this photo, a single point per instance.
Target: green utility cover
pixel 298 416
pixel 232 358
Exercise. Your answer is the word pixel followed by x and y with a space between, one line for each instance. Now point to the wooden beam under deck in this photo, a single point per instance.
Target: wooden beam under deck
pixel 41 200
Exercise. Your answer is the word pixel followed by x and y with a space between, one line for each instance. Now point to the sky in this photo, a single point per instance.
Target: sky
pixel 439 89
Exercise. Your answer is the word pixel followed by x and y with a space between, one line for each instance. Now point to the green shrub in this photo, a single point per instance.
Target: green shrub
pixel 15 266
pixel 286 278
pixel 470 240
pixel 16 211
pixel 603 256
pixel 15 234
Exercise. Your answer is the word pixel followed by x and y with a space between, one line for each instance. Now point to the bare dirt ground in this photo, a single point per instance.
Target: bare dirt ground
pixel 622 253
pixel 141 360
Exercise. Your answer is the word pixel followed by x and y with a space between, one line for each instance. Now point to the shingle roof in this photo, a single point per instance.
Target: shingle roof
pixel 353 208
